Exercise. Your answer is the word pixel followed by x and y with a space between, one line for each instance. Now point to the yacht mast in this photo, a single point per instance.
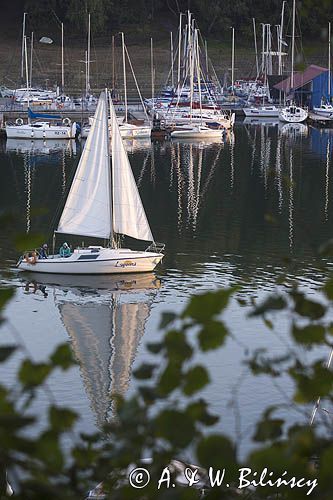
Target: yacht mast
pixel 88 56
pixel 23 42
pixel 171 54
pixel 31 53
pixel 233 60
pixel 281 37
pixel 62 59
pixel 255 44
pixel 293 46
pixel 124 74
pixel 329 61
pixel 26 69
pixel 152 70
pixel 179 50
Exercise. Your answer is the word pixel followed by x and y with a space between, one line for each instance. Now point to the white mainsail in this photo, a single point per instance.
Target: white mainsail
pixel 129 216
pixel 88 211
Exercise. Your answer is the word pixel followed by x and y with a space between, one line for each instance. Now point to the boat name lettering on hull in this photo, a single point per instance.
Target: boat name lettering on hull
pixel 125 263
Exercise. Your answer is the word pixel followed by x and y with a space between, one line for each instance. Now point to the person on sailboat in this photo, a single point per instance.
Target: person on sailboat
pixel 65 251
pixel 43 252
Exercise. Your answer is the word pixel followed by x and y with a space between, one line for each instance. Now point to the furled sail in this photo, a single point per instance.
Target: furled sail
pixel 129 216
pixel 88 210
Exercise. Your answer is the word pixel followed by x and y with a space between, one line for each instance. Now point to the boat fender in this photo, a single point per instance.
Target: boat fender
pixel 66 121
pixel 30 257
pixel 19 121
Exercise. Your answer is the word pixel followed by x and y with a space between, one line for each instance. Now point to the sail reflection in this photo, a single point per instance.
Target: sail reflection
pixel 105 318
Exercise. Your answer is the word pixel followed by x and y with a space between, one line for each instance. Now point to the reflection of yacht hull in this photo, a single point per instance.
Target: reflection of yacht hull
pixel 38 145
pixel 132 282
pixel 91 261
pixel 270 121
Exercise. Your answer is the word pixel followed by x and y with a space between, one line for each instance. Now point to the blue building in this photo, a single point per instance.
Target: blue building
pixel 309 88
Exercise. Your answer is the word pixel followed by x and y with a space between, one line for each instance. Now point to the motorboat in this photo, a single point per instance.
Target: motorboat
pixel 293 114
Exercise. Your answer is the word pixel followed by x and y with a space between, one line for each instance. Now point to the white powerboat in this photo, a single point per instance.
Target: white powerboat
pixel 40 130
pixel 293 114
pixel 102 203
pixel 41 126
pixel 324 109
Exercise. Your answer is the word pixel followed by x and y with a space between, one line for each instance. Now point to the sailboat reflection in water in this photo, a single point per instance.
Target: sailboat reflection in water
pixel 105 319
pixel 102 203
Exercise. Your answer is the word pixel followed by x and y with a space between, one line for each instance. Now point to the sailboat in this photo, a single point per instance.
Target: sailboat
pixel 293 113
pixel 193 130
pixel 102 203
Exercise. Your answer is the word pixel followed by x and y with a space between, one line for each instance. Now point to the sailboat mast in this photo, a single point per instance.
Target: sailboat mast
pixel 26 68
pixel 329 61
pixel 233 60
pixel 62 59
pixel 179 50
pixel 293 46
pixel 171 55
pixel 22 51
pixel 152 70
pixel 197 62
pixel 108 105
pixel 113 61
pixel 31 52
pixel 124 74
pixel 281 38
pixel 88 56
pixel 255 44
pixel 206 60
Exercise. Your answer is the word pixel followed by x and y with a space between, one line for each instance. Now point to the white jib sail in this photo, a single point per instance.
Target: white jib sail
pixel 129 216
pixel 87 211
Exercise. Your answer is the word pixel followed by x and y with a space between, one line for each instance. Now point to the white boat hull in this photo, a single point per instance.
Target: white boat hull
pixel 324 111
pixel 140 132
pixel 293 114
pixel 264 112
pixel 196 133
pixel 105 261
pixel 44 132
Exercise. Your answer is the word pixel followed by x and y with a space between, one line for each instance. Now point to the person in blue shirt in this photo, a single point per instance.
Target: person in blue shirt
pixel 65 251
pixel 43 252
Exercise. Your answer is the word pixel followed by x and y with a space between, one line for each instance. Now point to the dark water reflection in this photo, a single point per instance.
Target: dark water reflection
pixel 246 210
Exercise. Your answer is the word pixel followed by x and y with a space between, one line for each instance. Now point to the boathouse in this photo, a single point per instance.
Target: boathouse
pixel 310 86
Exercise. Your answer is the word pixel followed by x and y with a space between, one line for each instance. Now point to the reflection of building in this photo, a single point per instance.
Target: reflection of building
pixel 105 327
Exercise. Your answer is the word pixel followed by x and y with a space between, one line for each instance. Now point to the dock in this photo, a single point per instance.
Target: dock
pixel 320 120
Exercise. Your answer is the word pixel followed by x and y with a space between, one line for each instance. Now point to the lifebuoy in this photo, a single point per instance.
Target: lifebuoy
pixel 66 121
pixel 30 257
pixel 19 121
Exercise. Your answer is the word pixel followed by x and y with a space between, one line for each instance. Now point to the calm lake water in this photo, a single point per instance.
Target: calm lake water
pixel 245 211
